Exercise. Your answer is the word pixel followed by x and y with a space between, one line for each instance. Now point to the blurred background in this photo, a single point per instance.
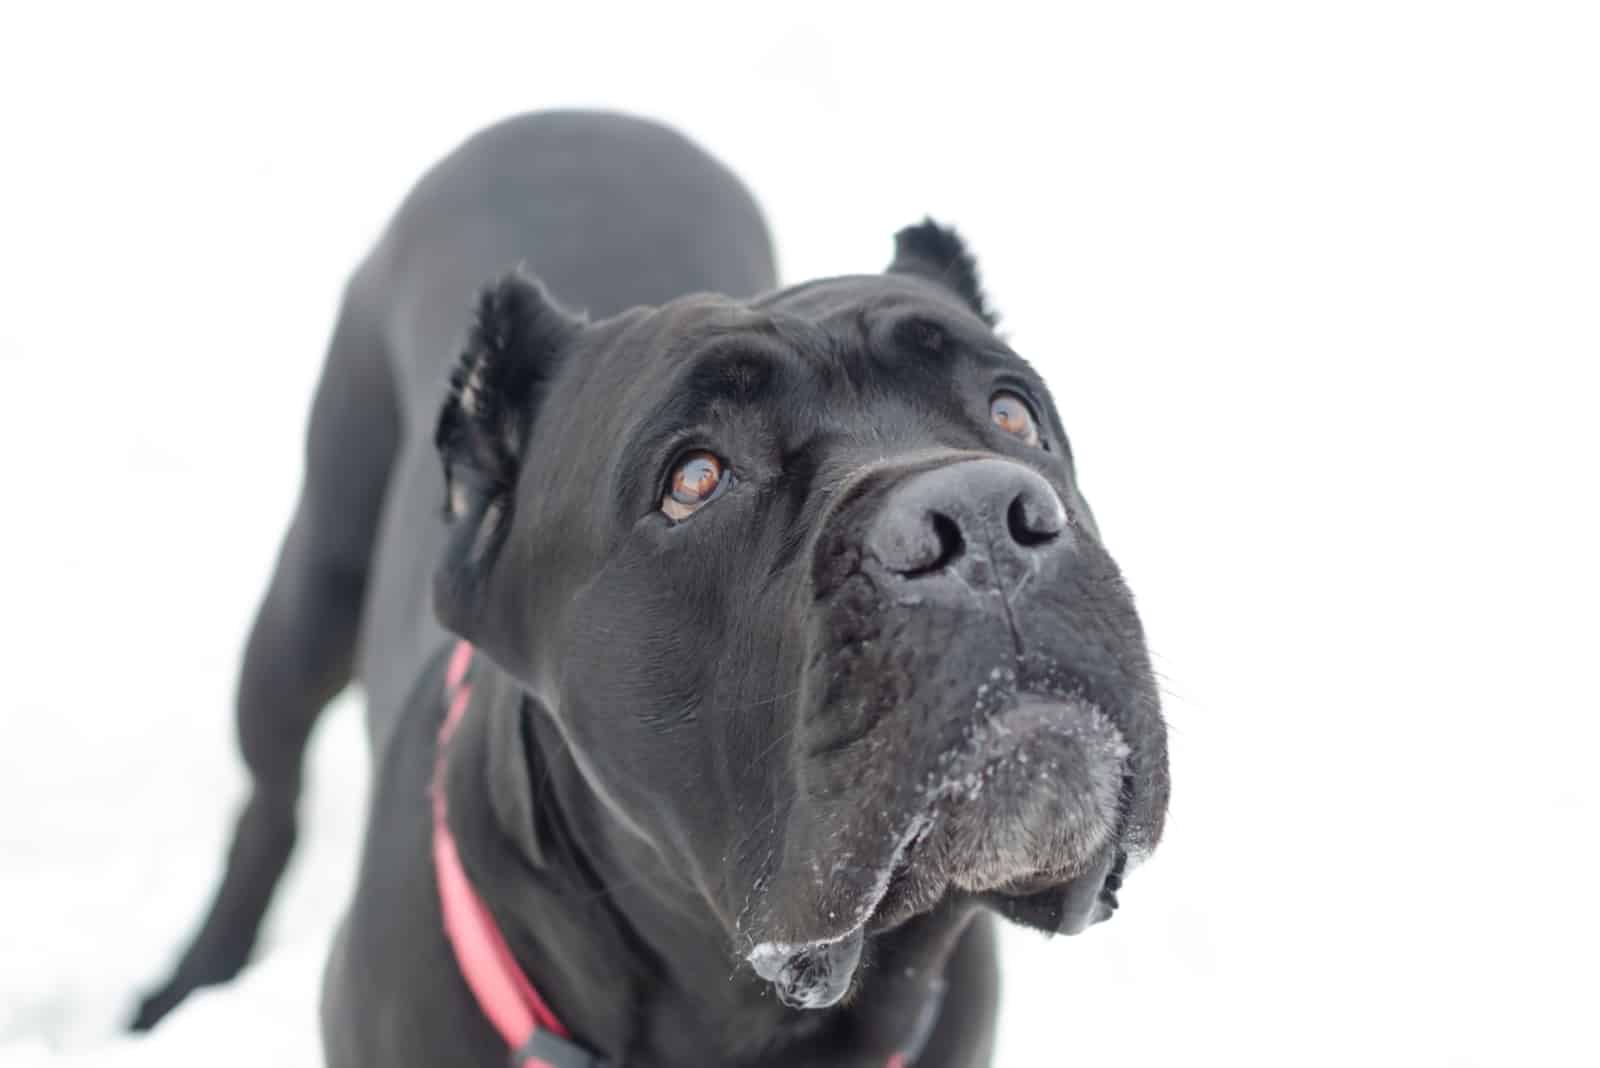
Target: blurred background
pixel 1315 287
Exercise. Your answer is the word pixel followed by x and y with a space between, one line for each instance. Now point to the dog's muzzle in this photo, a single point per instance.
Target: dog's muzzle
pixel 971 674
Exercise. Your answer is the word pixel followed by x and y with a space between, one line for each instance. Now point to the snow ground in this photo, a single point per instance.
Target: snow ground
pixel 1315 292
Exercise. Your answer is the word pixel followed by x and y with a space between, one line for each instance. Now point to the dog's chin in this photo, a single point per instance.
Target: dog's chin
pixel 1028 814
pixel 1023 816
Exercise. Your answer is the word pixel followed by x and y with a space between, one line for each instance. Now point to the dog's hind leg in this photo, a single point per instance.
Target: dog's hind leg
pixel 302 647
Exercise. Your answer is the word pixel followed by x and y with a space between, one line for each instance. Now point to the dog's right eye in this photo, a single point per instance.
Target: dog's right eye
pixel 696 480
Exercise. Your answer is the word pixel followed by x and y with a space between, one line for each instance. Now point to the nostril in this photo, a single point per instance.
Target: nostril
pixel 1032 525
pixel 914 540
pixel 951 543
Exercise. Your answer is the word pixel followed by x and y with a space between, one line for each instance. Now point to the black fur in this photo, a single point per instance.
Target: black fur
pixel 496 387
pixel 740 787
pixel 512 352
pixel 937 253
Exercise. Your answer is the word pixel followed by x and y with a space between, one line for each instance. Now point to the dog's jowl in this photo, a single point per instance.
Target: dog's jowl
pixel 733 654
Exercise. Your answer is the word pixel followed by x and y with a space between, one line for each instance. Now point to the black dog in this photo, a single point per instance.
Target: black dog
pixel 797 647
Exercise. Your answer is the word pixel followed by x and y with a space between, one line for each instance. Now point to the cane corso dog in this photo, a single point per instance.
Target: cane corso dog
pixel 794 653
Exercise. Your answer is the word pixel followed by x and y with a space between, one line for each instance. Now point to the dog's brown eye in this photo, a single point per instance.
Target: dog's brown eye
pixel 1012 414
pixel 696 479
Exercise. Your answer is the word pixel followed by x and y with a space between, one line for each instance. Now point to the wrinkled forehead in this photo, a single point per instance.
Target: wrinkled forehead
pixel 805 381
pixel 820 362
pixel 852 326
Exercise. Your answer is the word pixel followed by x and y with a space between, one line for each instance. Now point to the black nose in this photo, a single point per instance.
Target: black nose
pixel 964 516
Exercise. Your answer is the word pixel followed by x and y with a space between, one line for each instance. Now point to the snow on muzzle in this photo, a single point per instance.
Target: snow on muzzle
pixel 1021 813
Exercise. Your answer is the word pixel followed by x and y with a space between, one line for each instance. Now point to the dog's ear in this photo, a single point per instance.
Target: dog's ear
pixel 511 354
pixel 938 254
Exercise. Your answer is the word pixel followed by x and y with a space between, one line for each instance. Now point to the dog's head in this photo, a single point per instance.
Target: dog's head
pixel 809 588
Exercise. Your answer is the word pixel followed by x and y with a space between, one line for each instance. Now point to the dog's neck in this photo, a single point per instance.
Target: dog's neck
pixel 631 959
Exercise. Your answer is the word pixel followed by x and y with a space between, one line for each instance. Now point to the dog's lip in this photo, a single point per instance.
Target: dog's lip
pixel 1069 907
pixel 1088 889
pixel 1073 897
pixel 1071 904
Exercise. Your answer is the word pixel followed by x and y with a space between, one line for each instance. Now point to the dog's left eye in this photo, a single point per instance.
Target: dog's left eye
pixel 697 478
pixel 1011 413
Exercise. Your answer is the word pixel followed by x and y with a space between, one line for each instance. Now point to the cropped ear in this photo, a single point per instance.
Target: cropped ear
pixel 938 254
pixel 511 354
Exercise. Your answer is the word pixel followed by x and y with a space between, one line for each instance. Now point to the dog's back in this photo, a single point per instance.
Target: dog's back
pixel 610 212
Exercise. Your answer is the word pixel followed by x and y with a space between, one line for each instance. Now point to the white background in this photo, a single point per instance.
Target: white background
pixel 1316 289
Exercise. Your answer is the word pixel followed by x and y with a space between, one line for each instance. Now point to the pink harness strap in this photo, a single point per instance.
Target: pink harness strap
pixel 531 1031
pixel 503 991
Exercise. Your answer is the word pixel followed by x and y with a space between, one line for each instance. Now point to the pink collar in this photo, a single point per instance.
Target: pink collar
pixel 503 991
